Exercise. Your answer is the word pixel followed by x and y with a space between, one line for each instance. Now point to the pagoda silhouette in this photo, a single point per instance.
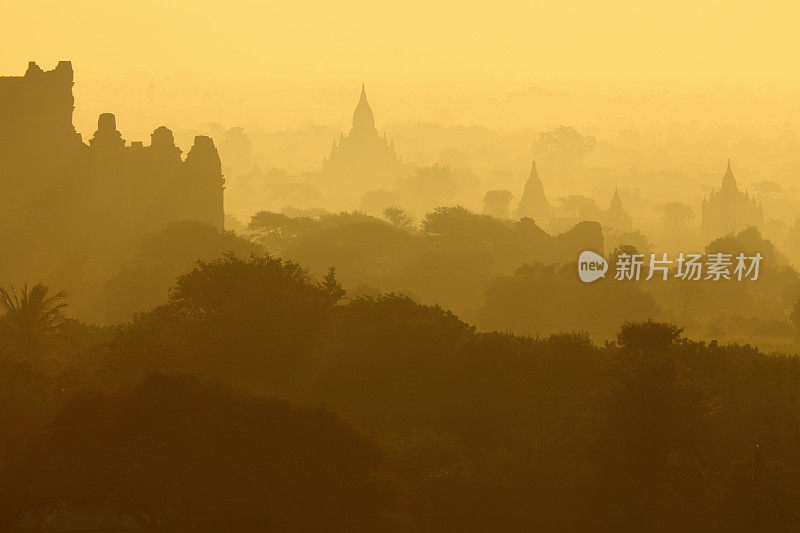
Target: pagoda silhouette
pixel 363 158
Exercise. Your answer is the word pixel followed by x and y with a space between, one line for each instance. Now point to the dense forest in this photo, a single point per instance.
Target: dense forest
pixel 497 274
pixel 259 397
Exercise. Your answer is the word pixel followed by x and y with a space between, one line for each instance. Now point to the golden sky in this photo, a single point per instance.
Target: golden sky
pixel 680 85
pixel 419 40
pixel 505 64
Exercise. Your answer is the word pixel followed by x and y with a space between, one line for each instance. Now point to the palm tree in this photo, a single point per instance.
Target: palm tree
pixel 30 318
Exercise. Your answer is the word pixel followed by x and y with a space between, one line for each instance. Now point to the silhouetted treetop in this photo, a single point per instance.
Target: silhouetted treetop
pixel 30 318
pixel 649 336
pixel 231 282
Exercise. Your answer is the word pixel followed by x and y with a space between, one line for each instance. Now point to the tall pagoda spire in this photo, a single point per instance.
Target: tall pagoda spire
pixel 729 181
pixel 616 217
pixel 533 203
pixel 363 119
pixel 616 201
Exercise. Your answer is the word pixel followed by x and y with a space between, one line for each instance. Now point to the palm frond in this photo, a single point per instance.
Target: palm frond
pixel 32 314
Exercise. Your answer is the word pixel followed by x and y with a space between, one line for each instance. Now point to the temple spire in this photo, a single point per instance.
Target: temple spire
pixel 616 201
pixel 363 119
pixel 728 180
pixel 533 203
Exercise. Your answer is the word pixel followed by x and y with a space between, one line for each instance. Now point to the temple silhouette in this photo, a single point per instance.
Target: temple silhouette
pixel 729 210
pixel 535 206
pixel 363 157
pixel 534 203
pixel 68 194
pixel 617 217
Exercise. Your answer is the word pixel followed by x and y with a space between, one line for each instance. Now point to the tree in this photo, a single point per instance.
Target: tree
pixel 544 299
pixel 429 187
pixel 675 214
pixel 688 293
pixel 331 286
pixel 629 242
pixel 459 223
pixel 437 183
pixel 144 280
pixel 190 455
pixel 397 216
pixel 649 336
pixel 581 207
pixel 251 321
pixel 564 143
pixel 748 241
pixel 274 227
pixel 794 316
pixel 495 203
pixel 31 318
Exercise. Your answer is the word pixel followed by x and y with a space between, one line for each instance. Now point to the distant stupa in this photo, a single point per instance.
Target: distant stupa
pixel 534 204
pixel 616 217
pixel 363 158
pixel 729 210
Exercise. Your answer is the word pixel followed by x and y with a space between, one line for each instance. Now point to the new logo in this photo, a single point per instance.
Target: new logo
pixel 591 266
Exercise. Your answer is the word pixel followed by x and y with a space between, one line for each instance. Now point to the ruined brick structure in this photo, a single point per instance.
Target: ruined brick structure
pixel 66 193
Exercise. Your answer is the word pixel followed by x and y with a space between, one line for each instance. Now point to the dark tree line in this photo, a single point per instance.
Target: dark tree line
pixel 260 398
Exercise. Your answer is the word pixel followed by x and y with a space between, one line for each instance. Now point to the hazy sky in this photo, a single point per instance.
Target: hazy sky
pixel 676 41
pixel 503 64
pixel 677 85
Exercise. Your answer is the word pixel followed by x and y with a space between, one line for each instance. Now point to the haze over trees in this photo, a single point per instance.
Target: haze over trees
pixel 339 284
